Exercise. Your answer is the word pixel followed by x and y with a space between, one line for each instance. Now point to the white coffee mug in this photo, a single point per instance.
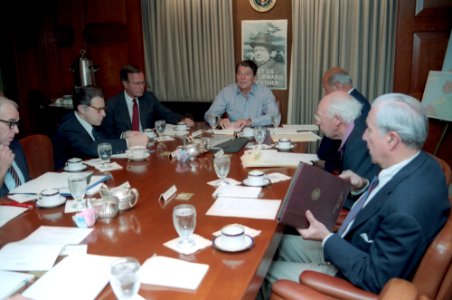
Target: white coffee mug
pixel 284 143
pixel 181 126
pixel 49 196
pixel 137 152
pixel 256 177
pixel 233 235
pixel 74 163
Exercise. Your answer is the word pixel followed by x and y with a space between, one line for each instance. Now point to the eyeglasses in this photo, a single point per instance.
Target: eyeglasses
pixel 98 109
pixel 11 124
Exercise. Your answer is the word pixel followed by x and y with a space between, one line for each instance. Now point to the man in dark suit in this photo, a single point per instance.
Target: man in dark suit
pixel 392 224
pixel 124 108
pixel 337 79
pixel 13 166
pixel 78 134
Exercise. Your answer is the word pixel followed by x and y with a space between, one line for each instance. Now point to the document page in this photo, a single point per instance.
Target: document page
pixel 75 277
pixel 172 272
pixel 8 213
pixel 12 281
pixel 245 208
pixel 273 158
pixel 237 191
pixel 306 136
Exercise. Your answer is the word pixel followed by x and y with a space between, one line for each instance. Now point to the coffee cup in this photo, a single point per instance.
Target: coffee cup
pixel 248 132
pixel 74 164
pixel 233 236
pixel 137 152
pixel 49 196
pixel 256 177
pixel 284 143
pixel 181 126
pixel 150 133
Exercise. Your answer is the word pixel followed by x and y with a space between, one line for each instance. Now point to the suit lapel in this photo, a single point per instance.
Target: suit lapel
pixel 124 112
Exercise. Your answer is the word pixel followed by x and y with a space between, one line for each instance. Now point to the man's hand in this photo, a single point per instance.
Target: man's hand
pixel 316 230
pixel 188 121
pixel 355 180
pixel 225 123
pixel 241 123
pixel 6 160
pixel 139 139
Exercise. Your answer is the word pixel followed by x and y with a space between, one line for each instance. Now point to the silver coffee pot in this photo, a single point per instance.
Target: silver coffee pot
pixel 83 69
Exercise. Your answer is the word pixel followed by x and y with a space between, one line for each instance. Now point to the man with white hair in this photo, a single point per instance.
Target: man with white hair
pixel 389 228
pixel 13 166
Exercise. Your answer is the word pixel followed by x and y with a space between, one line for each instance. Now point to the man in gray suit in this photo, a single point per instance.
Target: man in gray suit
pixel 393 223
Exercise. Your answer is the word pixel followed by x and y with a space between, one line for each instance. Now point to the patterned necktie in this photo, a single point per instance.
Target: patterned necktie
pixel 96 134
pixel 357 207
pixel 135 116
pixel 15 176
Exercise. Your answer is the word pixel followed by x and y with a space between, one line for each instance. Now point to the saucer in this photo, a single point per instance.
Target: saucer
pixel 219 244
pixel 62 200
pixel 181 129
pixel 266 182
pixel 139 159
pixel 75 170
pixel 284 148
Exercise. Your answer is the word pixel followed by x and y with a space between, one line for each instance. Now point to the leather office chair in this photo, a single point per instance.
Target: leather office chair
pixel 445 168
pixel 432 280
pixel 38 150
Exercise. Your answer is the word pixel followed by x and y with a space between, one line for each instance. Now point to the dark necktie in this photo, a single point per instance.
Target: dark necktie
pixel 96 134
pixel 15 176
pixel 135 116
pixel 358 206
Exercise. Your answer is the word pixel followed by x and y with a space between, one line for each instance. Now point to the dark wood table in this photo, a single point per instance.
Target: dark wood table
pixel 141 231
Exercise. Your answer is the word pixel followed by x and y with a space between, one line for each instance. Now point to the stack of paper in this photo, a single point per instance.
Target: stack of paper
pixel 302 127
pixel 245 208
pixel 8 213
pixel 12 282
pixel 306 136
pixel 167 271
pixel 273 158
pixel 237 191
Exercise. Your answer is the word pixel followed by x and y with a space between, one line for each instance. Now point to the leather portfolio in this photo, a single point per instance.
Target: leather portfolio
pixel 316 190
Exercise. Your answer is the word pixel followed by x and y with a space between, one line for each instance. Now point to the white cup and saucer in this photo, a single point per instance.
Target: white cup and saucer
pixel 50 198
pixel 284 144
pixel 256 178
pixel 181 126
pixel 248 132
pixel 233 239
pixel 137 153
pixel 74 164
pixel 150 133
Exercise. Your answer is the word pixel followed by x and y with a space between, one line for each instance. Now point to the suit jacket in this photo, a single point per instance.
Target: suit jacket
pixel 391 233
pixel 72 140
pixel 328 149
pixel 118 120
pixel 19 158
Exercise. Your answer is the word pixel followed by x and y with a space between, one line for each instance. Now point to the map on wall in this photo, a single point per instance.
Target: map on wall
pixel 437 99
pixel 265 43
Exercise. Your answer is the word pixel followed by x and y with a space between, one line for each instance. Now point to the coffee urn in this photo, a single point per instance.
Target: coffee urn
pixel 83 69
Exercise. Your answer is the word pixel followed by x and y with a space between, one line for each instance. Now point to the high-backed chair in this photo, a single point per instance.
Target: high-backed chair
pixel 432 280
pixel 38 150
pixel 445 168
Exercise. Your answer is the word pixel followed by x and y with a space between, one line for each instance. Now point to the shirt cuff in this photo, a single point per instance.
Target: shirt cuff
pixel 362 190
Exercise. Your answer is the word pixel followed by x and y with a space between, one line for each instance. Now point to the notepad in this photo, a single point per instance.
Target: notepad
pixel 12 282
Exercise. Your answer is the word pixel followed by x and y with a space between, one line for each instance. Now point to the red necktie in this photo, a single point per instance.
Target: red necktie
pixel 135 116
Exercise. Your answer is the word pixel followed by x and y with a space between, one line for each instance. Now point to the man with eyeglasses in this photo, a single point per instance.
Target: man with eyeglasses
pixel 136 109
pixel 79 135
pixel 13 166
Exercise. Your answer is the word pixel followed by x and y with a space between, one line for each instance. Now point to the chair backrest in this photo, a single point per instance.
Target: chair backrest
pixel 433 277
pixel 445 168
pixel 38 150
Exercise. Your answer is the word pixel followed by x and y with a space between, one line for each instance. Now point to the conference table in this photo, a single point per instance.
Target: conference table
pixel 141 231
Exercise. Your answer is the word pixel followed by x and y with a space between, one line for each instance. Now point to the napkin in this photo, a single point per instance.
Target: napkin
pixel 200 243
pixel 228 180
pixel 248 231
pixel 108 167
pixel 69 208
pixel 277 177
pixel 164 138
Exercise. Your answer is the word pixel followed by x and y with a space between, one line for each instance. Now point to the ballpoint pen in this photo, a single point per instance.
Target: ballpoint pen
pixel 26 205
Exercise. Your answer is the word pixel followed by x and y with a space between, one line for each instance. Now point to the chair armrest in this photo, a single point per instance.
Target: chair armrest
pixel 291 290
pixel 334 287
pixel 400 289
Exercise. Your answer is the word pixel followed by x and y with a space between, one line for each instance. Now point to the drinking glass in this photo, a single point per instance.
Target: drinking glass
pixel 276 119
pixel 222 164
pixel 104 150
pixel 77 186
pixel 160 126
pixel 259 135
pixel 213 121
pixel 184 221
pixel 124 277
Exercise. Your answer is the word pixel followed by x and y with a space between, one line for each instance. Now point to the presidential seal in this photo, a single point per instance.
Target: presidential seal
pixel 262 5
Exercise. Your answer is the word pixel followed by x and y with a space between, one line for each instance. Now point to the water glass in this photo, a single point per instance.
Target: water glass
pixel 124 277
pixel 77 186
pixel 104 150
pixel 184 221
pixel 276 119
pixel 222 165
pixel 259 135
pixel 213 121
pixel 160 126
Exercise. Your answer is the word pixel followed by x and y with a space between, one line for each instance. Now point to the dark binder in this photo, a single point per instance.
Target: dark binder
pixel 316 190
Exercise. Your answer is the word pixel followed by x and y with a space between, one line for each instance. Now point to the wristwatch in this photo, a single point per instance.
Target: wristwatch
pixel 262 5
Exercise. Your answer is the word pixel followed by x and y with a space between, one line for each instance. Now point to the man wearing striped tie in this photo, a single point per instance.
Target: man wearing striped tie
pixel 13 166
pixel 392 224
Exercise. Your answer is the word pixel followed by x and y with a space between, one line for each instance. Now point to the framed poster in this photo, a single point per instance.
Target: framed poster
pixel 265 42
pixel 437 99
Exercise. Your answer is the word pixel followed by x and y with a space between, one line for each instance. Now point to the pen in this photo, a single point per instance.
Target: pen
pixel 27 205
